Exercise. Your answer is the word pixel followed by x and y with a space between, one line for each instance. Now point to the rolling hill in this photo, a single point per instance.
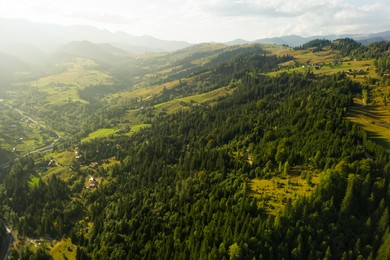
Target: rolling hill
pixel 48 37
pixel 104 54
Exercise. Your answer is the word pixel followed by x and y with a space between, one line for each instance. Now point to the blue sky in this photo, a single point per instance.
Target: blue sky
pixel 209 20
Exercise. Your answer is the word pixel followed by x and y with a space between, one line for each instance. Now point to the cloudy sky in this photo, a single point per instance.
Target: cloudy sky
pixel 209 20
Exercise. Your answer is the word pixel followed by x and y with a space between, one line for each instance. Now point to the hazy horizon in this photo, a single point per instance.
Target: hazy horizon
pixel 207 21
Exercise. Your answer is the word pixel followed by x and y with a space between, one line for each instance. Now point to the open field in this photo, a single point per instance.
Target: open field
pixel 61 166
pixel 186 102
pixel 322 63
pixel 356 70
pixel 78 74
pixel 374 119
pixel 103 132
pixel 147 92
pixel 64 249
pixel 302 56
pixel 274 193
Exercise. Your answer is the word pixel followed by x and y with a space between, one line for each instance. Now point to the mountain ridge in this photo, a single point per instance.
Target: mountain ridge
pixel 296 40
pixel 49 37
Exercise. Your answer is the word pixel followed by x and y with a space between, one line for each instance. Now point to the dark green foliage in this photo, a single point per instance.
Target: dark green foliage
pixel 3 239
pixel 345 46
pixel 316 44
pixel 383 63
pixel 373 51
pixel 180 194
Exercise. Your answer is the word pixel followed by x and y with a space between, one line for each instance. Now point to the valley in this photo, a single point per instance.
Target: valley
pixel 277 150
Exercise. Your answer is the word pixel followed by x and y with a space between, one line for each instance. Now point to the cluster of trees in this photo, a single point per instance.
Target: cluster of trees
pixel 383 63
pixel 317 45
pixel 373 51
pixel 345 46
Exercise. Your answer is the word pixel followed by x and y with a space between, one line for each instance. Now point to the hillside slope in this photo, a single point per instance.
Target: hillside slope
pixel 212 151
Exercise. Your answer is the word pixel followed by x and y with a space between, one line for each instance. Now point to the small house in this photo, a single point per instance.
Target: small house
pixel 92 183
pixel 93 165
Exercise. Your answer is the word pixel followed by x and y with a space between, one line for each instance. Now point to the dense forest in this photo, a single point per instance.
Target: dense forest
pixel 182 188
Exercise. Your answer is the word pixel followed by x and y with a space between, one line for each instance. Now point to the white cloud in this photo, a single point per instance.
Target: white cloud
pixel 207 20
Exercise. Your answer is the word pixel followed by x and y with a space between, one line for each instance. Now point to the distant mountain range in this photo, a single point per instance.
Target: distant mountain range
pixel 31 41
pixel 295 40
pixel 26 44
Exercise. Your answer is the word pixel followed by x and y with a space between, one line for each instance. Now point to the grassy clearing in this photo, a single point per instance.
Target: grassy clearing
pixel 104 132
pixel 137 128
pixel 78 74
pixel 307 59
pixel 302 56
pixel 63 161
pixel 108 163
pixel 145 92
pixel 62 158
pixel 352 68
pixel 374 119
pixel 186 102
pixel 131 117
pixel 33 181
pixel 64 249
pixel 274 193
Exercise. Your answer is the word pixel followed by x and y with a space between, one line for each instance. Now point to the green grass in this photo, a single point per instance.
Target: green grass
pixel 78 74
pixel 374 119
pixel 62 158
pixel 147 92
pixel 185 103
pixel 137 128
pixel 274 193
pixel 64 249
pixel 33 181
pixel 103 132
pixel 329 69
pixel 62 167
